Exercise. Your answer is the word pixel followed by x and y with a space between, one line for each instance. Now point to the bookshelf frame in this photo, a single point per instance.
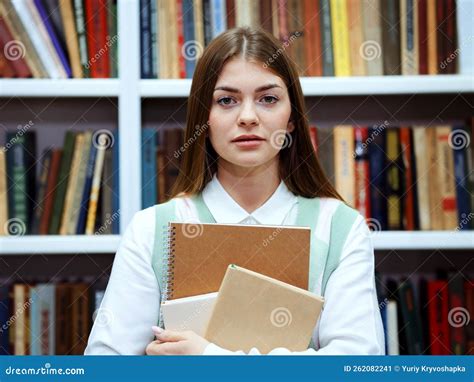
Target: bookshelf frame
pixel 130 91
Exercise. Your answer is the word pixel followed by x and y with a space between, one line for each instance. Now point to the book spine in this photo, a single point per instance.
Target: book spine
pixel 82 36
pixel 145 39
pixel 340 38
pixel 326 38
pixel 394 178
pixel 344 162
pixel 362 189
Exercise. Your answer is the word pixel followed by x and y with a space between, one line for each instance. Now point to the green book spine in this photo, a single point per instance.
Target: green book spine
pixel 61 185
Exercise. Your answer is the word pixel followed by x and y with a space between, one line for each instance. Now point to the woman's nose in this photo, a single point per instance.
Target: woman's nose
pixel 248 115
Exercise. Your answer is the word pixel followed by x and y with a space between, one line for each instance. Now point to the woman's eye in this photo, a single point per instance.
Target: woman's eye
pixel 225 101
pixel 269 99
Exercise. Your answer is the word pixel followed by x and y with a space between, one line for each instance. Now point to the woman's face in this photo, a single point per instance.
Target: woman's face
pixel 249 115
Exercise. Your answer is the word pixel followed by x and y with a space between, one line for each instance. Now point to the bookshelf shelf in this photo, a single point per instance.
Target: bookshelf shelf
pixel 59 88
pixel 423 240
pixel 55 244
pixel 396 240
pixel 338 86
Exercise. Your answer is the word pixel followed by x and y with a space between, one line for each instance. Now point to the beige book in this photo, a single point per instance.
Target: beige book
pixel 356 38
pixel 371 11
pixel 198 25
pixel 436 211
pixel 163 43
pixel 422 175
pixel 254 310
pixel 172 40
pixel 344 162
pixel 3 193
pixel 72 184
pixel 72 42
pixel 80 182
pixel 446 178
pixel 432 31
pixel 95 188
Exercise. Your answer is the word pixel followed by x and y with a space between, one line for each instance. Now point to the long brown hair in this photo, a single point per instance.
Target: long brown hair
pixel 298 164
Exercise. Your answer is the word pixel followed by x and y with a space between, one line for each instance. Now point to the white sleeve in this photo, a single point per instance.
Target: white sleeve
pixel 350 323
pixel 131 301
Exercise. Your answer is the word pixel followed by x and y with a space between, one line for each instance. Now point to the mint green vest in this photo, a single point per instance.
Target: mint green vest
pixel 324 258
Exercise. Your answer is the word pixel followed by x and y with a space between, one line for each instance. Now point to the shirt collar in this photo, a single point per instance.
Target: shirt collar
pixel 226 210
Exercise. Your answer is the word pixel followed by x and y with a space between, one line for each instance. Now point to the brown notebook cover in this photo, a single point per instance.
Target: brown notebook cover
pixel 253 310
pixel 199 254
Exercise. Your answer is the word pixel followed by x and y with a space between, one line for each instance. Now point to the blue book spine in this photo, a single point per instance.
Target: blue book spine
pixel 461 176
pixel 377 165
pixel 116 184
pixel 54 39
pixel 35 335
pixel 4 317
pixel 148 167
pixel 190 47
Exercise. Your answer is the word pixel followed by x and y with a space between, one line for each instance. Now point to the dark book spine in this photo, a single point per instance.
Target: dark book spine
pixel 326 38
pixel 145 39
pixel 377 164
pixel 391 36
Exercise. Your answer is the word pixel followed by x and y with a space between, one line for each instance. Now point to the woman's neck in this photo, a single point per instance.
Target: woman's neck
pixel 249 187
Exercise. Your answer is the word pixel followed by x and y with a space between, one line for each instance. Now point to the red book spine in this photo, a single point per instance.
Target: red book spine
pixel 422 37
pixel 409 199
pixel 97 44
pixel 441 35
pixel 362 181
pixel 13 51
pixel 49 195
pixel 283 20
pixel 438 306
pixel 181 60
pixel 230 9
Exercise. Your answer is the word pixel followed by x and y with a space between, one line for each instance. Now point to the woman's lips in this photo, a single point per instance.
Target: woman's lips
pixel 250 143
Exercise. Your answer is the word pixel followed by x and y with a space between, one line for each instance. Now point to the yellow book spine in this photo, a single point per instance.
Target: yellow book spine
pixel 340 38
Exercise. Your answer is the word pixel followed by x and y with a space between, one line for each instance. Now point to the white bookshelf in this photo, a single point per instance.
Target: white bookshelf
pixel 131 92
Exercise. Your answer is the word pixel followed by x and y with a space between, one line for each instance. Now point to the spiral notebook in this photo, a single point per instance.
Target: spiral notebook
pixel 197 255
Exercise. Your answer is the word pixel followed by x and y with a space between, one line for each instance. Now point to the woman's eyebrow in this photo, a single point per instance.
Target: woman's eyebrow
pixel 259 89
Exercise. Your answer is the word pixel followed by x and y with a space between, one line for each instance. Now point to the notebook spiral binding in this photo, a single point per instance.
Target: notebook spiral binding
pixel 167 275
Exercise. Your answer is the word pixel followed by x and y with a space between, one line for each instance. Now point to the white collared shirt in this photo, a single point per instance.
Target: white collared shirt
pixel 350 322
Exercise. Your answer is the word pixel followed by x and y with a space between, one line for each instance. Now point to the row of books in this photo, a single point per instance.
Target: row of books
pixel 48 318
pixel 324 37
pixel 58 38
pixel 428 316
pixel 402 178
pixel 161 159
pixel 76 190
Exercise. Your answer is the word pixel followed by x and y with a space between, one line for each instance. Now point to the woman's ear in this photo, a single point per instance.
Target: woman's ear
pixel 290 127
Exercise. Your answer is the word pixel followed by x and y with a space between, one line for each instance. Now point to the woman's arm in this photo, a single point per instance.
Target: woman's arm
pixel 350 322
pixel 131 301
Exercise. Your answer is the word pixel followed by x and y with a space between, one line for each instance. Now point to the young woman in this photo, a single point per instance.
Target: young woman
pixel 247 159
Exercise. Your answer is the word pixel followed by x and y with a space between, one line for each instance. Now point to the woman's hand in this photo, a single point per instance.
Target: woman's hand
pixel 170 342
